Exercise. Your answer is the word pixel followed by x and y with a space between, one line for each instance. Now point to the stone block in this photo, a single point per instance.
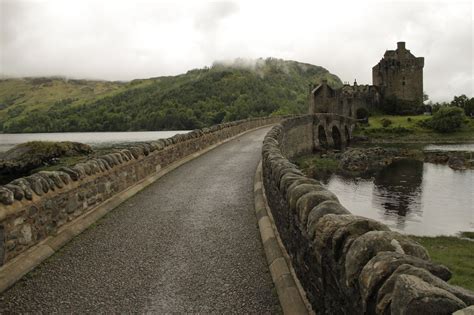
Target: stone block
pixel 37 184
pixel 74 174
pixel 465 311
pixel 310 200
pixel 316 213
pixel 369 244
pixel 289 178
pixel 295 192
pixel 385 293
pixel 18 193
pixel 412 295
pixel 6 196
pixel 25 186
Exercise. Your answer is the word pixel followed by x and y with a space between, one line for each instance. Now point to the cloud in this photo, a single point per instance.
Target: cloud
pixel 123 40
pixel 213 13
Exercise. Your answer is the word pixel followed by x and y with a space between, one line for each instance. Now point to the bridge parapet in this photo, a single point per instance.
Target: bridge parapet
pixel 346 264
pixel 36 207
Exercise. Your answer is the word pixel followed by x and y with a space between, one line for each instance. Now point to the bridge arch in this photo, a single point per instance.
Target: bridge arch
pixel 335 121
pixel 347 134
pixel 337 137
pixel 322 137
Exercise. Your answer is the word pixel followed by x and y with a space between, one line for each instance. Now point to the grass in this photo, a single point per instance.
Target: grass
pixel 28 95
pixel 46 147
pixel 315 162
pixel 63 161
pixel 456 254
pixel 34 93
pixel 401 121
pixel 67 160
pixel 407 129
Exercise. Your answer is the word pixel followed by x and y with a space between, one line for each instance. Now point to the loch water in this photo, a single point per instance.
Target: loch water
pixel 412 197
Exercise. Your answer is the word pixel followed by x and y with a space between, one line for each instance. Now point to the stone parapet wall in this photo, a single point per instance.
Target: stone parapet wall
pixel 347 264
pixel 35 207
pixel 299 138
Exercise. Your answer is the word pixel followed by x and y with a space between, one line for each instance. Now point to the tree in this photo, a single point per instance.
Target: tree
pixel 465 103
pixel 460 101
pixel 425 97
pixel 469 108
pixel 447 119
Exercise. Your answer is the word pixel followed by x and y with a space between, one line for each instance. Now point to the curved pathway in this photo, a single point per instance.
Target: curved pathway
pixel 187 243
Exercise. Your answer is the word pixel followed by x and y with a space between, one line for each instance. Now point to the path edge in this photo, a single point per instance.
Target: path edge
pixel 15 269
pixel 290 292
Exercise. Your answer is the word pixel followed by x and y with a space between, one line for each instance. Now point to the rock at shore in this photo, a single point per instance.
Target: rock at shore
pixel 30 155
pixel 358 160
pixel 368 160
pixel 457 163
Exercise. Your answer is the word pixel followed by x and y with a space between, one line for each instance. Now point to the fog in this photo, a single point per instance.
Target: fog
pixel 124 40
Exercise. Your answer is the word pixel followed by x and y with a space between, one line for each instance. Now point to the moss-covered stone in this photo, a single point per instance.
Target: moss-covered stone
pixel 25 157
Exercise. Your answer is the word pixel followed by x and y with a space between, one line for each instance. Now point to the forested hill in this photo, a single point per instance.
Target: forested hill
pixel 199 98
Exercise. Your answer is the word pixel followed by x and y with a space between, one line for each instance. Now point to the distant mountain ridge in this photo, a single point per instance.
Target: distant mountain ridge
pixel 225 91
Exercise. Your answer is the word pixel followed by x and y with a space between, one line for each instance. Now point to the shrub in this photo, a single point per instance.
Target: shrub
pixel 400 130
pixel 464 102
pixel 447 119
pixel 362 113
pixel 385 122
pixel 424 123
pixel 435 108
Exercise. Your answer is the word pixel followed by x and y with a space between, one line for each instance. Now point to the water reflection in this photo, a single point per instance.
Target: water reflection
pixel 398 190
pixel 412 197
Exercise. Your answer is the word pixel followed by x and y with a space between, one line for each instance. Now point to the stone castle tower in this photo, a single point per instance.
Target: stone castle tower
pixel 400 74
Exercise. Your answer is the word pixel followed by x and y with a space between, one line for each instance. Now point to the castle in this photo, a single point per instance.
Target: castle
pixel 399 75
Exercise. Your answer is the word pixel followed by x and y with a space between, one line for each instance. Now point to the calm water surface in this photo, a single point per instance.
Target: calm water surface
pixel 451 147
pixel 7 141
pixel 412 197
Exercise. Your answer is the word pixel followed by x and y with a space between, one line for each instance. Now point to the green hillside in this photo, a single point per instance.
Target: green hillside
pixel 199 98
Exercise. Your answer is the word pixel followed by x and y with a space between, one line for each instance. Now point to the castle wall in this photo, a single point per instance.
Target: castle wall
pixel 345 101
pixel 400 74
pixel 324 100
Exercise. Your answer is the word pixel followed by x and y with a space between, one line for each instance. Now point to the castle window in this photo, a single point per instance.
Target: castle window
pixel 403 83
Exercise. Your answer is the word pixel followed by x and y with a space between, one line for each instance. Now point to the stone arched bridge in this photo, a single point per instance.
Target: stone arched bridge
pixel 332 131
pixel 183 236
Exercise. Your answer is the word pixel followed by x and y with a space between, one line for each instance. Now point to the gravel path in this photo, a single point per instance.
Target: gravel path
pixel 187 243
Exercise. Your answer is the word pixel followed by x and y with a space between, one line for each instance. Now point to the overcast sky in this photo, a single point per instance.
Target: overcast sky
pixel 123 40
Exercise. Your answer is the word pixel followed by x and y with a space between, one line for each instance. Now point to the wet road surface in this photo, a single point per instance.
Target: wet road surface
pixel 187 243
